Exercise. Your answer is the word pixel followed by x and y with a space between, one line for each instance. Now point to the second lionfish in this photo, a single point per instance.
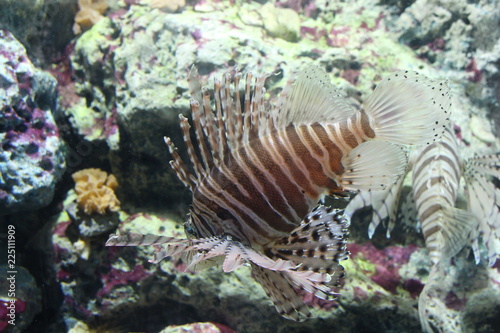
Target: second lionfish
pixel 437 170
pixel 259 173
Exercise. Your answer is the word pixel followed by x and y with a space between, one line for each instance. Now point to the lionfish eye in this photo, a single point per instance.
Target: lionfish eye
pixel 190 230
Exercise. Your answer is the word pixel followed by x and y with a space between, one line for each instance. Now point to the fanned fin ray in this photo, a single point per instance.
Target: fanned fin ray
pixel 283 295
pixel 455 229
pixel 384 205
pixel 311 98
pixel 373 165
pixel 409 109
pixel 484 201
pixel 488 164
pixel 317 245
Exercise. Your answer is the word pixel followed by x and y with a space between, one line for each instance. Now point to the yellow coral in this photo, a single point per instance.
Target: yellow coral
pixel 89 14
pixel 95 191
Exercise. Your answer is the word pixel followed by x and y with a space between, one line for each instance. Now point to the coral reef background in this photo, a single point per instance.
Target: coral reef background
pixel 94 84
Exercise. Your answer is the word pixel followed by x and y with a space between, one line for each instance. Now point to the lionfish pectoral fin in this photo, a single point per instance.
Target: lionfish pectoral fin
pixel 318 244
pixel 384 205
pixel 235 254
pixel 484 201
pixel 372 166
pixel 455 233
pixel 164 246
pixel 135 239
pixel 283 295
pixel 220 246
pixel 409 109
pixel 487 164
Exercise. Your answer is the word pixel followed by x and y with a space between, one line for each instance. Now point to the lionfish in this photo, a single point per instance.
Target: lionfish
pixel 259 173
pixel 436 173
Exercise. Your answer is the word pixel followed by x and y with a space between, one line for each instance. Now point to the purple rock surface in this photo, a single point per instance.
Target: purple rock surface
pixel 31 154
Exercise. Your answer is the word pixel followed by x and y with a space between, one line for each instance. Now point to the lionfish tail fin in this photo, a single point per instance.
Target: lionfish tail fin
pixel 317 246
pixel 408 108
pixel 426 300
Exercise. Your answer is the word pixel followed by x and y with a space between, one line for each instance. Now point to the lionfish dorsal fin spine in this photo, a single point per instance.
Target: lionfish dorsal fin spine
pixel 221 125
pixel 179 167
pixel 186 135
pixel 200 138
pixel 195 89
pixel 228 107
pixel 238 132
pixel 246 114
pixel 209 126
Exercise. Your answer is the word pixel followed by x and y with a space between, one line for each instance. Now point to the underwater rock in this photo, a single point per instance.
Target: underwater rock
pixel 43 27
pixel 424 21
pixel 26 303
pixel 94 116
pixel 198 328
pixel 169 6
pixel 104 285
pixel 32 153
pixel 281 22
pixel 456 35
pixel 480 129
pixel 131 69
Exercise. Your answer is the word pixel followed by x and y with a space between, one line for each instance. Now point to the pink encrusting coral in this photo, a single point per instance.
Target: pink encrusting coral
pixel 117 277
pixel 387 262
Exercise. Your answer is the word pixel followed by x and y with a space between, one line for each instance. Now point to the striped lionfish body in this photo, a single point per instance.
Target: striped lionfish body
pixel 436 177
pixel 258 174
pixel 437 171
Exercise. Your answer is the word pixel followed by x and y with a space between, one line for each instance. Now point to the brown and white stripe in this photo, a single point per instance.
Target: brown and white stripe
pixel 261 172
pixel 436 177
